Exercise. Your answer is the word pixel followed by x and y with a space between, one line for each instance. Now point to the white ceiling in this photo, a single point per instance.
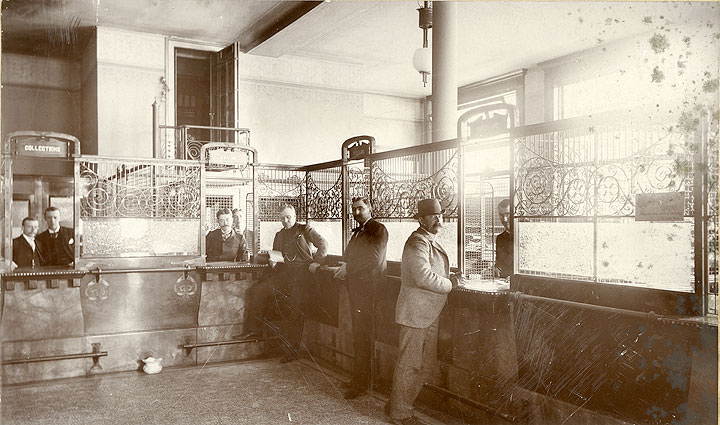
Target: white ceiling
pixel 379 36
pixel 496 37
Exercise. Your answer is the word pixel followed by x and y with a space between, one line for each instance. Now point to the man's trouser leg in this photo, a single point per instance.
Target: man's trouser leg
pixel 296 278
pixel 361 316
pixel 417 355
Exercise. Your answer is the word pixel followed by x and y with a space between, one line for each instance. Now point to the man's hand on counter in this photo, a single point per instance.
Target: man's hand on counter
pixel 457 279
pixel 314 267
pixel 341 272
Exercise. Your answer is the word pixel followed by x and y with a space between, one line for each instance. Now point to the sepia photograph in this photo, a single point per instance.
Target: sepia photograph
pixel 359 212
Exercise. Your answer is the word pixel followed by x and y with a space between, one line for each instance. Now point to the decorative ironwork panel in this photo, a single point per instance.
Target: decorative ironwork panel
pixel 324 194
pixel 598 171
pixel 278 186
pixel 398 183
pixel 116 188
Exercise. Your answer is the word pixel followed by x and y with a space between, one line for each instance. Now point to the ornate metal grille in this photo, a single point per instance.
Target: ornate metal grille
pixel 324 194
pixel 151 188
pixel 575 200
pixel 278 186
pixel 595 171
pixel 398 182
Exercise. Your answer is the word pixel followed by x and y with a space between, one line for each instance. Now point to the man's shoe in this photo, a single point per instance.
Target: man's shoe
pixel 353 392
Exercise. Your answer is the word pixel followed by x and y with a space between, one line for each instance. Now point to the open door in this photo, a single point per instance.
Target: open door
pixel 222 94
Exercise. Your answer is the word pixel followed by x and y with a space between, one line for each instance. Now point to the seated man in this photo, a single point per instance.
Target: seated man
pixel 57 241
pixel 26 252
pixel 287 280
pixel 224 243
pixel 504 255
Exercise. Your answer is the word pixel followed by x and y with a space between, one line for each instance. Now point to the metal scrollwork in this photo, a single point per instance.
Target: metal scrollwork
pixel 185 286
pixel 324 203
pixel 145 190
pixel 97 290
pixel 396 197
pixel 549 183
pixel 359 179
pixel 192 149
pixel 277 187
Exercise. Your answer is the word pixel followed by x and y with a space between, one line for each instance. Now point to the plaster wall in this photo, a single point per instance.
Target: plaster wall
pixel 40 94
pixel 129 67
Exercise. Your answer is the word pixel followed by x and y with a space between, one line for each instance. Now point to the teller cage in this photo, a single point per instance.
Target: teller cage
pixel 611 293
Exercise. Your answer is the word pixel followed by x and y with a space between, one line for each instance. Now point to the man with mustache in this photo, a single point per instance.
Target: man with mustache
pixel 425 283
pixel 224 243
pixel 365 270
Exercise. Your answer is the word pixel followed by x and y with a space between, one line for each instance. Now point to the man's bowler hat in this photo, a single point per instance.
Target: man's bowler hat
pixel 428 207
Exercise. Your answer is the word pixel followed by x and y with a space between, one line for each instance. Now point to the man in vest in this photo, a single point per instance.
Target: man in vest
pixel 287 281
pixel 224 243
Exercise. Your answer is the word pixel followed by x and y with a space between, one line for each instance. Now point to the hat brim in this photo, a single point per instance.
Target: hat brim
pixel 418 215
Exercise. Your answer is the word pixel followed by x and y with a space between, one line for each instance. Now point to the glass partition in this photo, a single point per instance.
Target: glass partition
pixel 138 207
pixel 606 201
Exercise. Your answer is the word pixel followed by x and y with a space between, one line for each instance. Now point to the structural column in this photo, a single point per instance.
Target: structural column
pixel 444 71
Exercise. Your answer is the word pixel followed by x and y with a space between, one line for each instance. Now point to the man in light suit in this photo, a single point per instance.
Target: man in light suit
pixel 57 241
pixel 425 283
pixel 26 252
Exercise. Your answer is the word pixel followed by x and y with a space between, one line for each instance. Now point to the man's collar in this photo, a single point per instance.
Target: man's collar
pixel 423 230
pixel 54 231
pixel 28 238
pixel 362 226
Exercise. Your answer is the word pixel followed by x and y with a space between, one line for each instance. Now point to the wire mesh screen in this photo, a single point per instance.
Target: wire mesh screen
pixel 575 204
pixel 138 207
pixel 482 222
pixel 213 203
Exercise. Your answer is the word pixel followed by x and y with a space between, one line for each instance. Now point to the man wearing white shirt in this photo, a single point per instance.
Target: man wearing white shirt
pixel 25 249
pixel 56 242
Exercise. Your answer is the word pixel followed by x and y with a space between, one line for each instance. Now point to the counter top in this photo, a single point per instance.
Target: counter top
pixel 43 273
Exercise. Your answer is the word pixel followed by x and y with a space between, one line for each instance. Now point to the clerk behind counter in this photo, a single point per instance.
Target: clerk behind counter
pixel 224 243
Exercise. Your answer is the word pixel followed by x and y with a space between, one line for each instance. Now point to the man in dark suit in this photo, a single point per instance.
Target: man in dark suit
pixel 504 253
pixel 365 270
pixel 425 283
pixel 287 281
pixel 26 252
pixel 224 243
pixel 57 241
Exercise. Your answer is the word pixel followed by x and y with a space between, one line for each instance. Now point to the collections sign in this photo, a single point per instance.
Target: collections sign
pixel 43 148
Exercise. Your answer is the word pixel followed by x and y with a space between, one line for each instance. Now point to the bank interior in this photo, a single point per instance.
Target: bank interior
pixel 597 120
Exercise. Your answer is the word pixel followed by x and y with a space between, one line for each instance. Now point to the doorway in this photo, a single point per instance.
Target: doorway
pixel 205 93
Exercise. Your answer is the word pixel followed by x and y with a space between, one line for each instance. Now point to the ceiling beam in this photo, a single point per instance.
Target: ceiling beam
pixel 274 21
